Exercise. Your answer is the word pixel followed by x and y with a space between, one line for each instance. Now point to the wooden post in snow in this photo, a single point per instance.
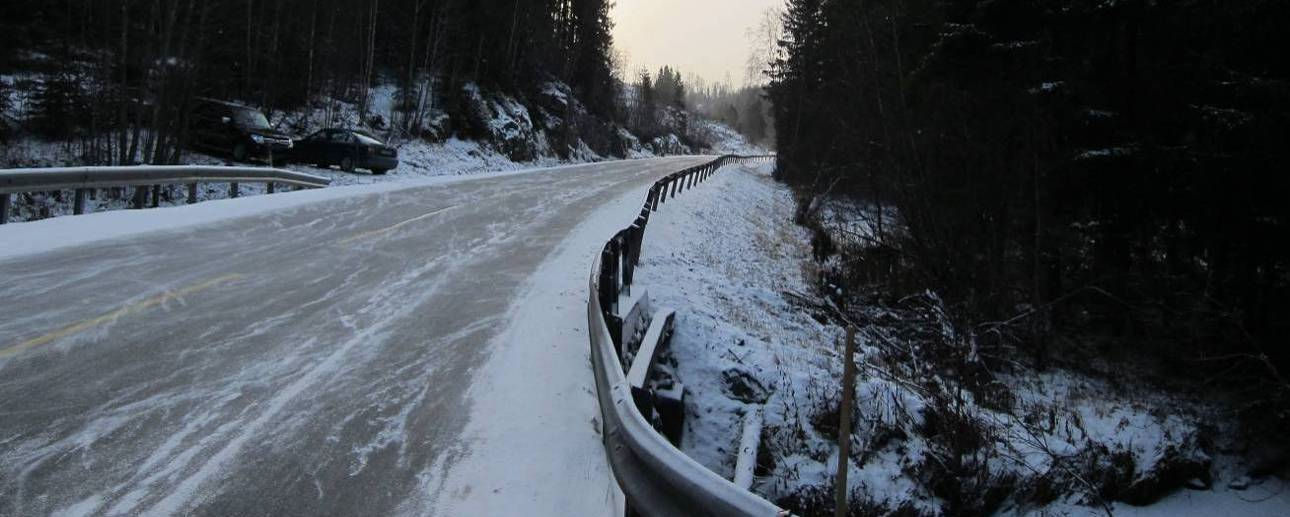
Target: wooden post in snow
pixel 844 424
pixel 749 440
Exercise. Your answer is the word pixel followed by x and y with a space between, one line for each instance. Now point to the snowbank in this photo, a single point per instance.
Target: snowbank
pixel 535 432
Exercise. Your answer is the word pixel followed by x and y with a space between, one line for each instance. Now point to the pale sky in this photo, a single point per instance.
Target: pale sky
pixel 704 37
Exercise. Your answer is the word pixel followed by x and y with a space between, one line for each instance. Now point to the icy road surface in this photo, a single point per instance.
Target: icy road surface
pixel 322 359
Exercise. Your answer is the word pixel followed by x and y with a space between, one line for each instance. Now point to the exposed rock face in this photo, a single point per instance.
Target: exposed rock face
pixel 504 121
pixel 552 122
pixel 669 145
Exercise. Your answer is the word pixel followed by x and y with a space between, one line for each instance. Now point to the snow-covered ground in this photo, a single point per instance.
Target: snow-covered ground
pixel 725 140
pixel 544 345
pixel 63 232
pixel 728 257
pixel 419 159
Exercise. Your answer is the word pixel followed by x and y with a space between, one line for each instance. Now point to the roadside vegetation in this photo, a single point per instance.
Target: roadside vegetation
pixel 1060 224
pixel 454 86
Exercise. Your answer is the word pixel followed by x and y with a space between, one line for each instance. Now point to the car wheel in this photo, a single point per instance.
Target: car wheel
pixel 239 152
pixel 380 172
pixel 347 164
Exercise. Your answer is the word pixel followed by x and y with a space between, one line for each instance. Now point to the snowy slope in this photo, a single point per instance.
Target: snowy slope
pixel 725 140
pixel 514 141
pixel 729 259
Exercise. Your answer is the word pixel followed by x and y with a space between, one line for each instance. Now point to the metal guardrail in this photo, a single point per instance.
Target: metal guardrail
pixel 85 179
pixel 658 479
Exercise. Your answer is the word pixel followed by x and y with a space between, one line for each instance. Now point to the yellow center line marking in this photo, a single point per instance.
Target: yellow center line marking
pixel 129 309
pixel 389 229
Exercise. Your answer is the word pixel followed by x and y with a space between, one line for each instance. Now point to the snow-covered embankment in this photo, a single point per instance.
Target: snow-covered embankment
pixel 728 257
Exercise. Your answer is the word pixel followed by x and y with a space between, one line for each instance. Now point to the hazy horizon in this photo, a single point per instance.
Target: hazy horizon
pixel 707 38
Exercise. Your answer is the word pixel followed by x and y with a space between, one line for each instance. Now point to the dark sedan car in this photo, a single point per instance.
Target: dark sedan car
pixel 350 149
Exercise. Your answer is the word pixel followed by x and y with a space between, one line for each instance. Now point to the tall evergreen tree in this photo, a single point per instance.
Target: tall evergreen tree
pixel 795 80
pixel 1107 164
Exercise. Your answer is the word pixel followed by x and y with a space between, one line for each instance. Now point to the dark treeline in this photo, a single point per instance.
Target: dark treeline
pixel 130 68
pixel 658 101
pixel 1109 173
pixel 744 109
pixel 666 95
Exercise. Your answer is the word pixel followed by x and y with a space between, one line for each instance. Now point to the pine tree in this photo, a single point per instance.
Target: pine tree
pixel 593 77
pixel 753 121
pixel 646 123
pixel 794 80
pixel 4 111
pixel 670 88
pixel 59 108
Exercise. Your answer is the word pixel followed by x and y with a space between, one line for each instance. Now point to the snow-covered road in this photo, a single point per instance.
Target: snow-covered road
pixel 356 356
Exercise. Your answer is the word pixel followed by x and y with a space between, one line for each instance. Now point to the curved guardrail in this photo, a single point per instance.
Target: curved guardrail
pixel 84 179
pixel 658 479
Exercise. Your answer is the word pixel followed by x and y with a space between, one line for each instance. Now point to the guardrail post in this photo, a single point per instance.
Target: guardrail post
pixel 232 190
pixel 78 202
pixel 4 207
pixel 156 196
pixel 140 197
pixel 673 182
pixel 638 242
pixel 628 267
pixel 271 188
pixel 192 193
pixel 614 291
pixel 609 290
pixel 643 220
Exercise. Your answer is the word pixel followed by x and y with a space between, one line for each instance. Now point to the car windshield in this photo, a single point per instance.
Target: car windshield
pixel 367 139
pixel 250 119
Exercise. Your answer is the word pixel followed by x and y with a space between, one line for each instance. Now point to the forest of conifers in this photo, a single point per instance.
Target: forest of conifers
pixel 147 59
pixel 1070 176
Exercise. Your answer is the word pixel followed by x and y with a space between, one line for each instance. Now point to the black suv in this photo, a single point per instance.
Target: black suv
pixel 236 130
